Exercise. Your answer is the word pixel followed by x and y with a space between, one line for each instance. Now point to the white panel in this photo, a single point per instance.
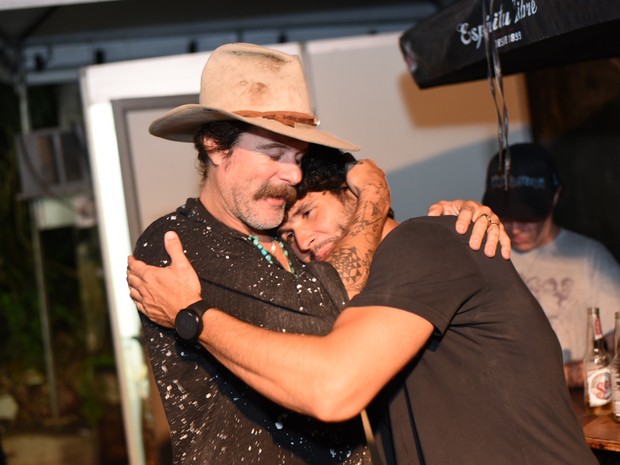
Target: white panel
pixel 160 190
pixel 114 238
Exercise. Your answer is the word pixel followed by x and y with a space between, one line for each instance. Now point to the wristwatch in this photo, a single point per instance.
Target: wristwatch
pixel 188 322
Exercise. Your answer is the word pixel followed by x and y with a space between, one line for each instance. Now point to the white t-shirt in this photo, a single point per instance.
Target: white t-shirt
pixel 568 275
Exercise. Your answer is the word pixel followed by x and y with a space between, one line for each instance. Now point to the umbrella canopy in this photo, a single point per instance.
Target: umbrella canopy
pixel 449 46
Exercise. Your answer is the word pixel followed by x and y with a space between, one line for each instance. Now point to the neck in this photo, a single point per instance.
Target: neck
pixel 390 224
pixel 211 199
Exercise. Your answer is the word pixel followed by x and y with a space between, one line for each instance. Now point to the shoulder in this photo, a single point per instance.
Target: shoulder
pixel 425 229
pixel 162 224
pixel 152 238
pixel 575 241
pixel 423 240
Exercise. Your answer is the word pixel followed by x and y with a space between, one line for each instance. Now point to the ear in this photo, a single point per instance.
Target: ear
pixel 215 156
pixel 556 196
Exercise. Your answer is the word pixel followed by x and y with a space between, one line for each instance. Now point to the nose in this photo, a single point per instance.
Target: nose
pixel 303 240
pixel 290 171
pixel 303 255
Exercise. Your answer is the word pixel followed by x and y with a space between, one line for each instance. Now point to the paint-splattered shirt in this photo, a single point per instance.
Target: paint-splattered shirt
pixel 215 418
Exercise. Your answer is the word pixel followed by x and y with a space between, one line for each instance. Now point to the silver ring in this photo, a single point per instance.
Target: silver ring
pixel 488 217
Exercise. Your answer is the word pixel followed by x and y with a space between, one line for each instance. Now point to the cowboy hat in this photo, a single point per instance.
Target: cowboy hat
pixel 258 85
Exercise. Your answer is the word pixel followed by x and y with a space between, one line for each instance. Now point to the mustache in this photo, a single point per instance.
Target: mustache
pixel 287 193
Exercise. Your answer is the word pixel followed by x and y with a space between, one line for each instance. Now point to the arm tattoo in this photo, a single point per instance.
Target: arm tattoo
pixel 352 266
pixel 352 259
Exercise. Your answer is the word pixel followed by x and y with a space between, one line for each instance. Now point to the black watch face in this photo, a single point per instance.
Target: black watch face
pixel 188 325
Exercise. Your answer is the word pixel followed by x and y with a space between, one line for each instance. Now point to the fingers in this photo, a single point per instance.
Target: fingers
pixel 464 219
pixel 445 207
pixel 495 234
pixel 483 213
pixel 434 210
pixel 478 233
pixel 504 241
pixel 173 246
pixel 135 267
pixel 131 264
pixel 486 228
pixel 135 295
pixel 492 239
pixel 488 222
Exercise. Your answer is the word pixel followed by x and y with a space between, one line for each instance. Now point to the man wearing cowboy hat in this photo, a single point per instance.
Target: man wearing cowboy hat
pixel 251 128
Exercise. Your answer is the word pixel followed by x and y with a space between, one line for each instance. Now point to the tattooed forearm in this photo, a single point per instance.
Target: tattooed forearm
pixel 370 221
pixel 354 254
pixel 353 267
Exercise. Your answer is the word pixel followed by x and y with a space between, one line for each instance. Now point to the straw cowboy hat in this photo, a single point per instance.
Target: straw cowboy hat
pixel 258 85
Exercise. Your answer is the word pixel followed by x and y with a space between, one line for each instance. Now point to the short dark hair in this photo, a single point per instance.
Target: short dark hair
pixel 225 134
pixel 323 169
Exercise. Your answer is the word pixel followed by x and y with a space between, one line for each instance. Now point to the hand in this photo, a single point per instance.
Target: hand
pixel 160 293
pixel 365 174
pixel 469 211
pixel 365 179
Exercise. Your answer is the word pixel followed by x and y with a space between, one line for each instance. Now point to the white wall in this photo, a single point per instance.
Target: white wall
pixel 434 144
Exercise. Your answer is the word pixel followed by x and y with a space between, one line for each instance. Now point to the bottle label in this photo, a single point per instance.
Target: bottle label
pixel 598 332
pixel 599 386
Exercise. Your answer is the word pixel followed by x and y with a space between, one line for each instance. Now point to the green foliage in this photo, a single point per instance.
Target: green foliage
pixel 19 321
pixel 23 327
pixel 91 389
pixel 78 368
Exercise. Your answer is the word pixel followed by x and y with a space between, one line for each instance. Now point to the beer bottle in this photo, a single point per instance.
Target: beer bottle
pixel 597 389
pixel 615 372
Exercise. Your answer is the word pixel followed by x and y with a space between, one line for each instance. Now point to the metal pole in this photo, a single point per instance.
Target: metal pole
pixel 48 353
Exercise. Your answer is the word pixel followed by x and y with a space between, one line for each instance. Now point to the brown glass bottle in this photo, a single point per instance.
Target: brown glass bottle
pixel 597 366
pixel 615 372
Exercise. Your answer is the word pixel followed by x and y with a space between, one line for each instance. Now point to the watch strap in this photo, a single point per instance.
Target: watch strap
pixel 200 307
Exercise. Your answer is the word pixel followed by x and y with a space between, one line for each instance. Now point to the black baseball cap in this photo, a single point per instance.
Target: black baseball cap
pixel 532 184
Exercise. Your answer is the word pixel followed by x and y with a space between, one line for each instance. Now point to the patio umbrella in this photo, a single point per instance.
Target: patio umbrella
pixel 449 47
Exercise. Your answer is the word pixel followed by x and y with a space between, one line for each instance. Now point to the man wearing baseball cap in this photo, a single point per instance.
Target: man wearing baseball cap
pixel 253 124
pixel 566 271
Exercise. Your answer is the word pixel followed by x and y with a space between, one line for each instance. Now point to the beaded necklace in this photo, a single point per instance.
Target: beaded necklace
pixel 267 255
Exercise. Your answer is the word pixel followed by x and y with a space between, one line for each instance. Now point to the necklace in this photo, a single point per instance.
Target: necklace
pixel 267 255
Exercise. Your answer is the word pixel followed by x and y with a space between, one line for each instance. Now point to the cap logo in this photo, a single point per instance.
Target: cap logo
pixel 528 182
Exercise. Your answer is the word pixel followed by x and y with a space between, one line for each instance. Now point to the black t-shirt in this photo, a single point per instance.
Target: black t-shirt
pixel 488 388
pixel 215 418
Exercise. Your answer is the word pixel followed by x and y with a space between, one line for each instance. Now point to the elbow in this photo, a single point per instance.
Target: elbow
pixel 337 400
